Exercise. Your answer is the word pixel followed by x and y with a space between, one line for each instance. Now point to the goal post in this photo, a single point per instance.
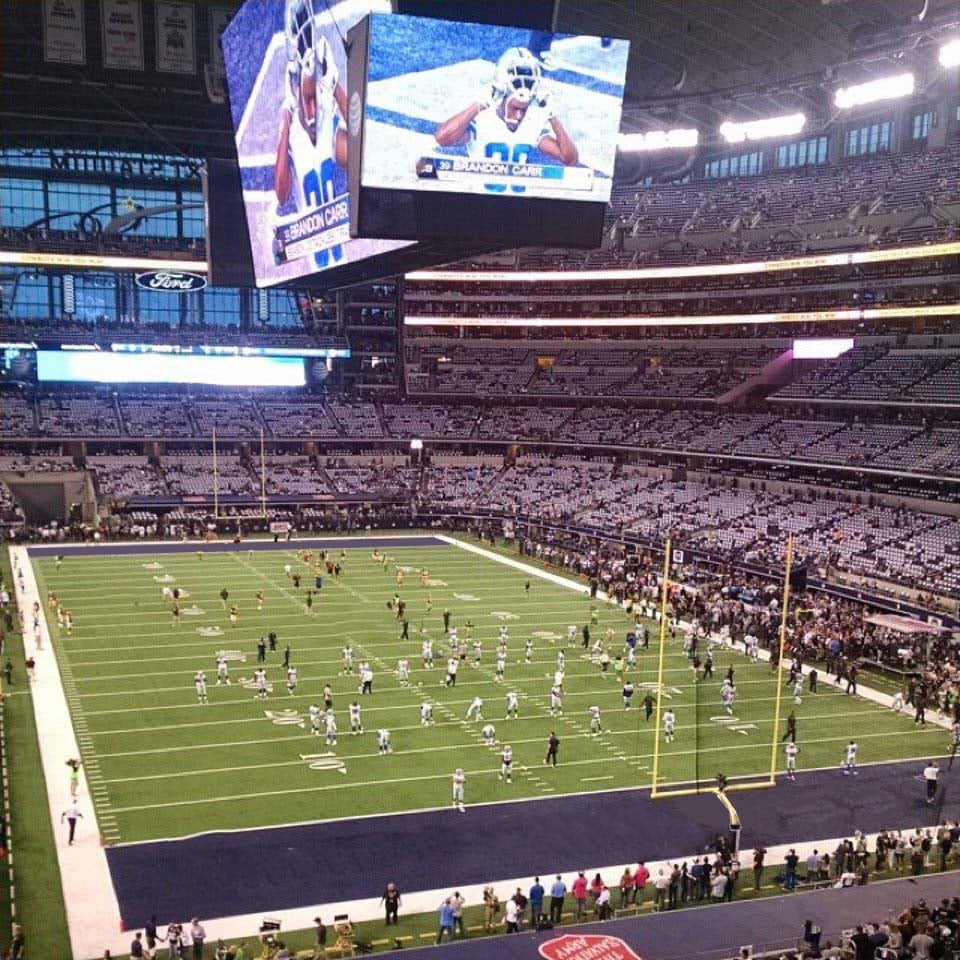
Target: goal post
pixel 720 783
pixel 262 495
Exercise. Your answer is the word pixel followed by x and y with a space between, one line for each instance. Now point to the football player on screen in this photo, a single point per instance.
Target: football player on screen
pixel 313 140
pixel 513 120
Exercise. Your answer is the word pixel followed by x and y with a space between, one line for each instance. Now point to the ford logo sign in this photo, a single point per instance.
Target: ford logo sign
pixel 171 281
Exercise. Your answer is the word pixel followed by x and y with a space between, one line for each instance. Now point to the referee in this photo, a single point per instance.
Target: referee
pixel 930 774
pixel 553 745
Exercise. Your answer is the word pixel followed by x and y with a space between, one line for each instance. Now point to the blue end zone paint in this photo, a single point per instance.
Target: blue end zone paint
pixel 278 869
pixel 324 543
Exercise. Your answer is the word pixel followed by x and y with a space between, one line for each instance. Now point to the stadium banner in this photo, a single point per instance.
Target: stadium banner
pixel 479 109
pixel 121 33
pixel 64 34
pixel 217 20
pixel 286 69
pixel 176 37
pixel 280 526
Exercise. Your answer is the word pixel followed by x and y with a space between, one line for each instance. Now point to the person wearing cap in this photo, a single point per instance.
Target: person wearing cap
pixel 320 932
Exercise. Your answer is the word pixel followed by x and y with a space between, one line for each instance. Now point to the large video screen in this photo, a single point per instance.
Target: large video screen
pixel 286 73
pixel 477 109
pixel 94 366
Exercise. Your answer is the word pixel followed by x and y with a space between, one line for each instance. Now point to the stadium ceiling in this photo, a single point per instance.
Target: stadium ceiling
pixel 692 60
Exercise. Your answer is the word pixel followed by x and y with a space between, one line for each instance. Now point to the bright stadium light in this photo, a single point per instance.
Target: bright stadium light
pixel 680 139
pixel 886 88
pixel 950 54
pixel 786 126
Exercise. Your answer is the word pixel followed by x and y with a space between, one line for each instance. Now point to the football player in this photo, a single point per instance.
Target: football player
pixel 312 140
pixel 512 120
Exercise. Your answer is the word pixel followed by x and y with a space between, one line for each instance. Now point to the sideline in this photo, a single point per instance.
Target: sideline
pixel 88 895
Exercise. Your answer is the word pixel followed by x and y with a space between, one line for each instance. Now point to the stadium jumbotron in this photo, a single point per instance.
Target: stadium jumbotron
pixel 480 468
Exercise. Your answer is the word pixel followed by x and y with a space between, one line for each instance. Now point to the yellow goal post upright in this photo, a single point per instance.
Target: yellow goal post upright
pixel 262 515
pixel 690 788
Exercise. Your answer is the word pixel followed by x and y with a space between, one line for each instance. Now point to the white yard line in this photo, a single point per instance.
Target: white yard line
pixel 88 893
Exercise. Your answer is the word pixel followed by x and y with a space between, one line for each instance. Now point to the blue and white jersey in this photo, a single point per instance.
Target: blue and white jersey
pixel 489 138
pixel 313 164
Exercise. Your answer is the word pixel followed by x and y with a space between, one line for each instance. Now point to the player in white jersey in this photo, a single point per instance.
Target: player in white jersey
pixel 403 671
pixel 595 727
pixel 222 670
pixel 475 709
pixel 513 705
pixel 454 639
pixel 453 665
pixel 792 750
pixel 571 635
pixel 347 655
pixel 560 660
pixel 200 682
pixel 728 693
pixel 355 725
pixel 850 759
pixel 383 742
pixel 897 703
pixel 506 764
pixel 291 680
pixel 459 779
pixel 558 677
pixel 798 690
pixel 260 678
pixel 556 701
pixel 426 653
pixel 528 651
pixel 489 734
pixel 504 636
pixel 314 713
pixel 426 714
pixel 512 120
pixel 501 665
pixel 312 140
pixel 330 722
pixel 669 725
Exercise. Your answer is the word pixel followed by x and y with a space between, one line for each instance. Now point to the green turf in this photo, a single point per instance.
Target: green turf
pixel 171 767
pixel 38 897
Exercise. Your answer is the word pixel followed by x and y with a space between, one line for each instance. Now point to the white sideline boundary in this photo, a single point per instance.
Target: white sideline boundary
pixel 93 913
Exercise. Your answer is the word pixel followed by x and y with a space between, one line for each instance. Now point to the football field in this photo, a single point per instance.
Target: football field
pixel 162 765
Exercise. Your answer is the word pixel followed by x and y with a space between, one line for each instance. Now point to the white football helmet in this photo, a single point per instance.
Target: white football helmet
pixel 299 23
pixel 519 74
